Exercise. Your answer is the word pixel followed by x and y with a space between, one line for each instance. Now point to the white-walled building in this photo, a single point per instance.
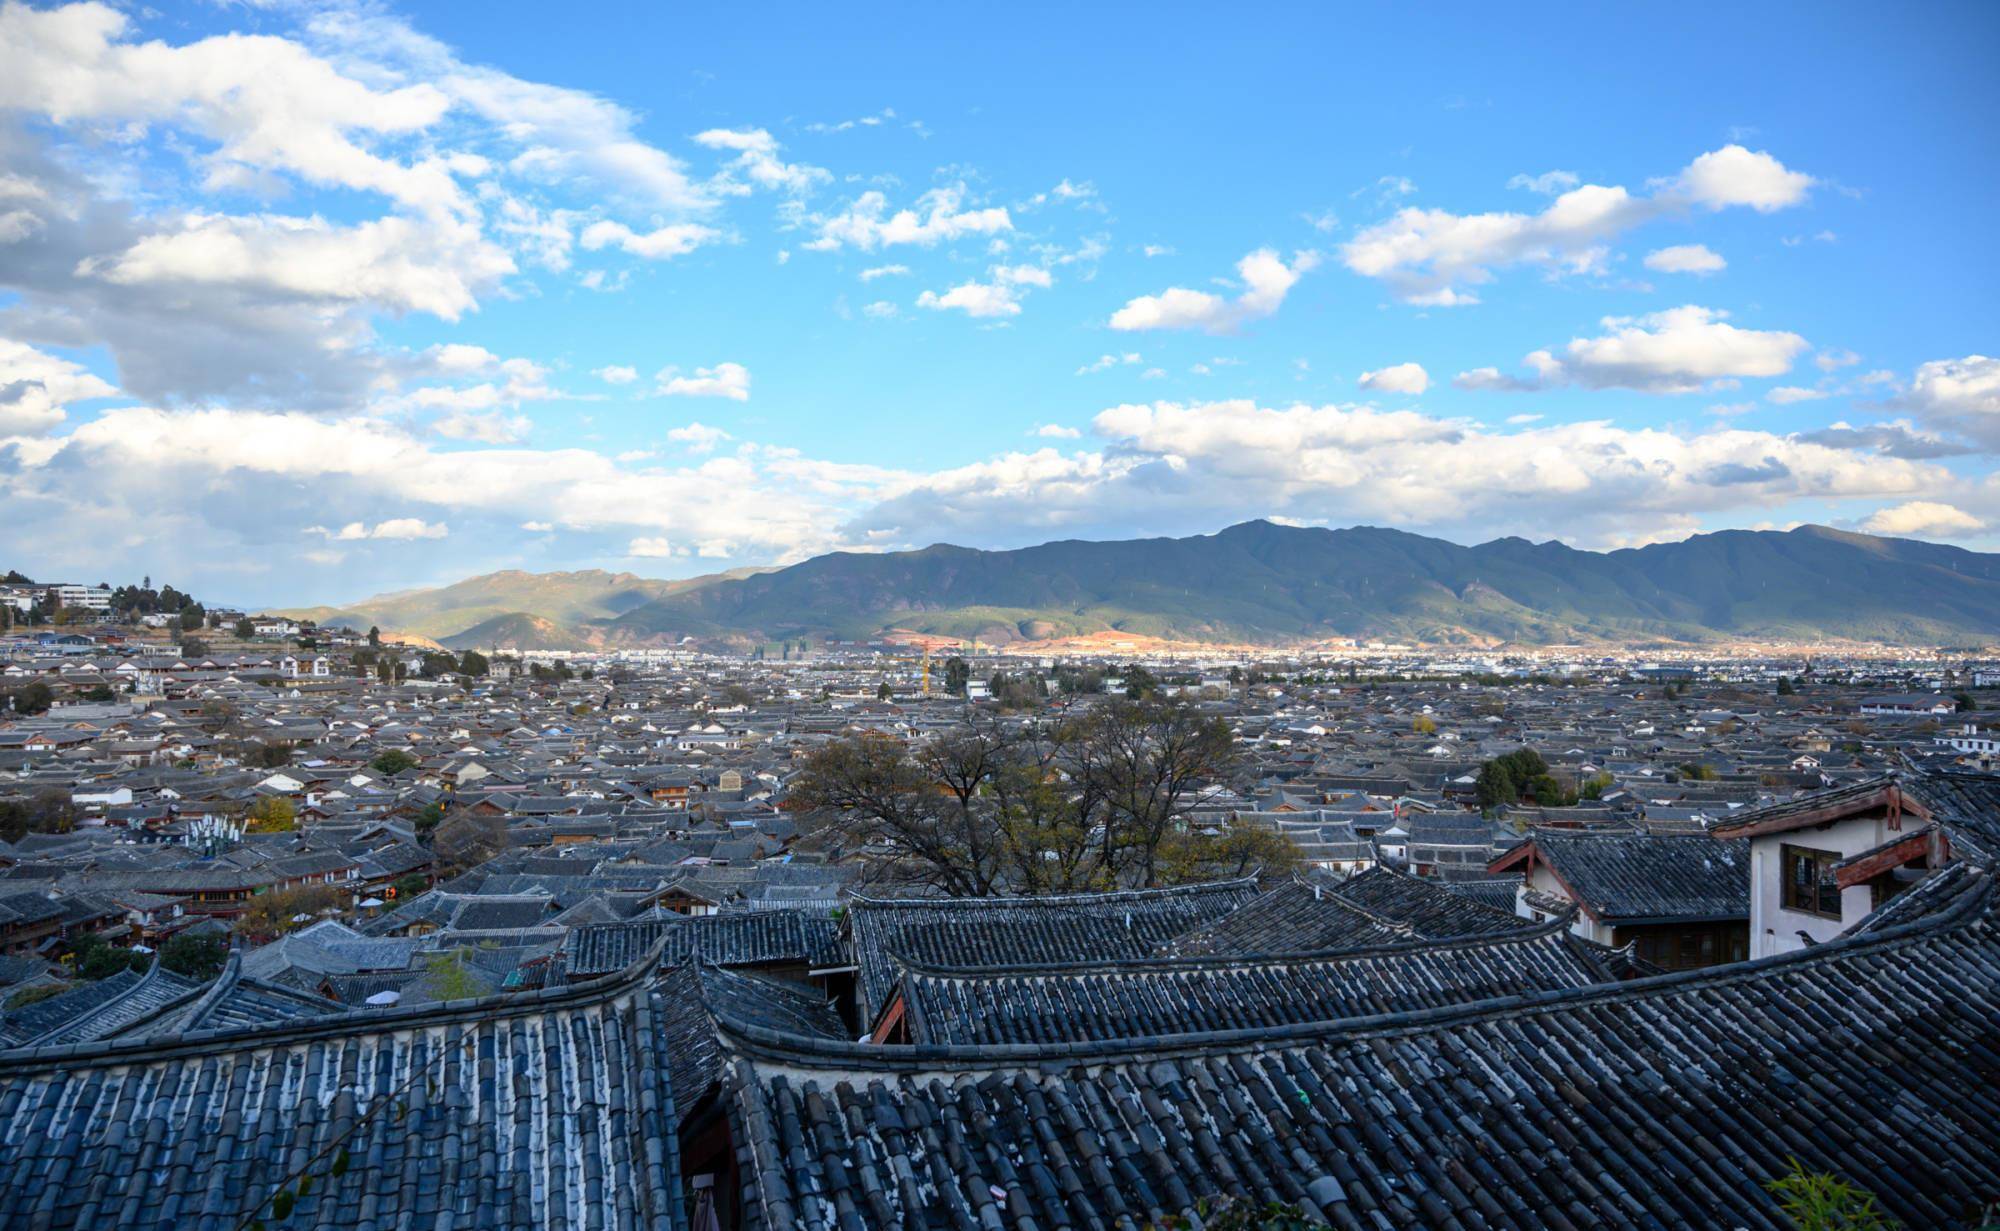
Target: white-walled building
pixel 1824 862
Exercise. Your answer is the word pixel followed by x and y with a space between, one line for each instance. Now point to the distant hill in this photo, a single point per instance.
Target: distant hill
pixel 1256 583
pixel 1260 582
pixel 564 602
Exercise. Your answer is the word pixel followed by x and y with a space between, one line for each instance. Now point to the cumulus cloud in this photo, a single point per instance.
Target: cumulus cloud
pixel 1399 378
pixel 977 299
pixel 724 380
pixel 1961 395
pixel 1928 519
pixel 940 215
pixel 757 161
pixel 1266 281
pixel 1178 466
pixel 264 102
pixel 277 308
pixel 1686 259
pixel 659 244
pixel 1680 350
pixel 616 374
pixel 36 386
pixel 395 528
pixel 1434 257
pixel 1056 431
pixel 1000 297
pixel 698 437
pixel 883 271
pixel 1104 363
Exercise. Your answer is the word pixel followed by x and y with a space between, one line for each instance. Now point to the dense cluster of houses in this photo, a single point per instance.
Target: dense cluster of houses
pixel 1756 927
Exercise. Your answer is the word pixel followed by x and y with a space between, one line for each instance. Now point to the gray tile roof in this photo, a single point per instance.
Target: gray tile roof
pixel 1664 1102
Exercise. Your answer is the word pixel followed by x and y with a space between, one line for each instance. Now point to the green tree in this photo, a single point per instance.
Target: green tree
pixel 1786 688
pixel 883 692
pixel 427 820
pixel 95 959
pixel 1505 779
pixel 197 957
pixel 245 629
pixel 34 697
pixel 1140 683
pixel 449 978
pixel 473 663
pixel 374 637
pixel 411 886
pixel 956 676
pixel 193 618
pixel 392 761
pixel 1964 703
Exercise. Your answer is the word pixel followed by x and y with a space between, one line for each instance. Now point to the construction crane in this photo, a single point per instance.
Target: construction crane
pixel 927 673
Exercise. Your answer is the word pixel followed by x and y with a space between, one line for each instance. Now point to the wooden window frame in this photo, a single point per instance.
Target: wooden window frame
pixel 1810 900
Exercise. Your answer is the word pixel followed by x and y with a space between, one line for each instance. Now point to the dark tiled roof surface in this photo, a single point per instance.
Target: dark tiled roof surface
pixel 972 932
pixel 758 938
pixel 550 1110
pixel 1299 916
pixel 1639 876
pixel 1431 909
pixel 1668 1102
pixel 1132 1000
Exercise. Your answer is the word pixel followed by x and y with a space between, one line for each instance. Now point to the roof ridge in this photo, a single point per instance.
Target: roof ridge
pixel 1109 895
pixel 1169 962
pixel 757 1042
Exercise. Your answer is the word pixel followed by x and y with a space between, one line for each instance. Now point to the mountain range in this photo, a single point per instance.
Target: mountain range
pixel 1255 583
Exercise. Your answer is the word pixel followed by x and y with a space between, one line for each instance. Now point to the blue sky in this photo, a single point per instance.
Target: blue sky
pixel 301 302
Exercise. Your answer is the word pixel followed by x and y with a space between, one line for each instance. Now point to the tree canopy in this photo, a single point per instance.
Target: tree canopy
pixel 1094 801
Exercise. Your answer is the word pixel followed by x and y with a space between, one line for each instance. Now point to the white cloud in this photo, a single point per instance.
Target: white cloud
pixel 1835 358
pixel 616 374
pixel 265 102
pixel 976 299
pixel 1266 281
pixel 1679 350
pixel 1399 378
pixel 866 121
pixel 1960 394
pixel 724 380
pixel 1056 431
pixel 1432 256
pixel 940 216
pixel 698 437
pixel 1193 465
pixel 1686 259
pixel 395 528
pixel 757 161
pixel 1104 363
pixel 652 547
pixel 1925 519
pixel 436 266
pixel 881 310
pixel 884 271
pixel 1788 395
pixel 659 244
pixel 35 387
pixel 1733 175
pixel 1153 250
pixel 1548 183
pixel 1023 275
pixel 485 428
